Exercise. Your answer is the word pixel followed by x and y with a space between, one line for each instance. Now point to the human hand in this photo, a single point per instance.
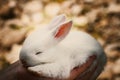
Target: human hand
pixel 79 73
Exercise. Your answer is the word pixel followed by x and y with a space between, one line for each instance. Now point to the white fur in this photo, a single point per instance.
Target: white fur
pixel 60 57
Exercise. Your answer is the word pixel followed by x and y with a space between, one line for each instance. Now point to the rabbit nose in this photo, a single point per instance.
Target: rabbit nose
pixel 24 63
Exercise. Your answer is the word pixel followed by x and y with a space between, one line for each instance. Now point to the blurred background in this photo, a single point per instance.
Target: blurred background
pixel 100 18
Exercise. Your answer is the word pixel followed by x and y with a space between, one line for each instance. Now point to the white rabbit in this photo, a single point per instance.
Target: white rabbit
pixel 53 51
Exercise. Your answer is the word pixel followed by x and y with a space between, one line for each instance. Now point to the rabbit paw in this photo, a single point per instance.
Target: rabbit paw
pixel 51 70
pixel 35 70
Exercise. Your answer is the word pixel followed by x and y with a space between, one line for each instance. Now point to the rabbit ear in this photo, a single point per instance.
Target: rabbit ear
pixel 56 21
pixel 62 30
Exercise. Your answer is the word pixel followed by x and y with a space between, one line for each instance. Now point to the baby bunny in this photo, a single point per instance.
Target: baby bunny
pixel 54 51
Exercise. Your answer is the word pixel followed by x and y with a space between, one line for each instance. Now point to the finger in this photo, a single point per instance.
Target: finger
pixel 87 75
pixel 78 71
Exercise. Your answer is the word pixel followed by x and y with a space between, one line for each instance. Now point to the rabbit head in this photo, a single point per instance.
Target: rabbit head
pixel 44 39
